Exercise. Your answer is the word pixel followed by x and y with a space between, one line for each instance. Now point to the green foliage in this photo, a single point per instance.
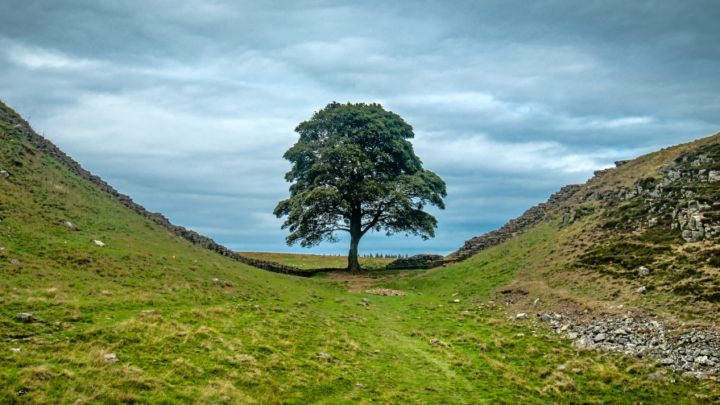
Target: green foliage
pixel 353 170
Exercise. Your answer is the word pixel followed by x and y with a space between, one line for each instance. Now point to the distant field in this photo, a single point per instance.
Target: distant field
pixel 305 261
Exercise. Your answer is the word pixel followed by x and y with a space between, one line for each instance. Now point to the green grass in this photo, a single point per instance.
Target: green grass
pixel 306 261
pixel 257 338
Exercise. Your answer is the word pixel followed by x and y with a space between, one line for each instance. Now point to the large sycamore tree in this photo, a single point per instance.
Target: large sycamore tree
pixel 354 170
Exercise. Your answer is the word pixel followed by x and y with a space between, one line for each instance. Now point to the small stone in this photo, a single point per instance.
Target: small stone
pixel 572 336
pixel 4 174
pixel 366 300
pixel 643 271
pixel 464 313
pixel 324 355
pixel 667 361
pixel 537 302
pixel 15 350
pixel 111 358
pixel 702 360
pixel 25 317
pixel 545 318
pixel 455 294
pixel 701 396
pixel 377 351
pixel 14 261
pixel 521 315
pixel 656 377
pixel 561 368
pixel 576 370
pixel 456 301
pixel 216 280
pixel 97 242
pixel 620 331
pixel 641 290
pixel 70 226
pixel 520 335
pixel 599 337
pixel 434 341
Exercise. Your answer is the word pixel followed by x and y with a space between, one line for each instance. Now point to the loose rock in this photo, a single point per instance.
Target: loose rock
pixel 656 377
pixel 97 243
pixel 25 317
pixel 386 291
pixel 70 225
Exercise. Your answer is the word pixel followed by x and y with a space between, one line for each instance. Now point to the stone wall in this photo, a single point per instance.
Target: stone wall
pixel 415 262
pixel 518 225
pixel 47 147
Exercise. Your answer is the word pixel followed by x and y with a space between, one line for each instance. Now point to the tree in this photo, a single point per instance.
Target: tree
pixel 353 170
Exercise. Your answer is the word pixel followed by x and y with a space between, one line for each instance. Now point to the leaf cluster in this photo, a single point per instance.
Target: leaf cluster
pixel 354 164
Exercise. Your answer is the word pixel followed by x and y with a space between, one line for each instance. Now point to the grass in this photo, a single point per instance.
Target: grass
pixel 306 261
pixel 260 337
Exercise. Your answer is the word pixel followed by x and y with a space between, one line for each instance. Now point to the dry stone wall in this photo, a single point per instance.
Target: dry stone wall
pixel 47 147
pixel 520 224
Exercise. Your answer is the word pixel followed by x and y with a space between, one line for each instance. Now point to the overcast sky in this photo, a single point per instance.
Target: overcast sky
pixel 188 106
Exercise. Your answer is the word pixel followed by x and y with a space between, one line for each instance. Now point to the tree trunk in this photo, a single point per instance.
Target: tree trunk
pixel 355 235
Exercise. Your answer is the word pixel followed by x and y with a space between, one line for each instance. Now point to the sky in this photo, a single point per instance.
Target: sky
pixel 188 106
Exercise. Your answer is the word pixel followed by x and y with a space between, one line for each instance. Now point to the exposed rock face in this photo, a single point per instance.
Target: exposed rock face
pixel 414 262
pixel 621 163
pixel 47 147
pixel 520 224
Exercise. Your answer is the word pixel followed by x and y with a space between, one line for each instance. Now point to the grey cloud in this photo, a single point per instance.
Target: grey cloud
pixel 189 106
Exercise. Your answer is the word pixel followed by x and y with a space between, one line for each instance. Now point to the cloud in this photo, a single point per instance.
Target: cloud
pixel 189 107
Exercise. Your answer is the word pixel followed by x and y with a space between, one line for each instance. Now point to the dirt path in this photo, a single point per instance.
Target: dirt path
pixel 357 283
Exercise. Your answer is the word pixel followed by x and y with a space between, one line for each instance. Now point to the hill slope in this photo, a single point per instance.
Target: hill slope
pixel 152 318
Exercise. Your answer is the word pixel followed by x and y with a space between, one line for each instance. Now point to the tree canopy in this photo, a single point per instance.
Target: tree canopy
pixel 354 170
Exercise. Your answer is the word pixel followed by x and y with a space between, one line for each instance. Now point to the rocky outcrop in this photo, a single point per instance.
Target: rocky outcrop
pixel 520 224
pixel 43 145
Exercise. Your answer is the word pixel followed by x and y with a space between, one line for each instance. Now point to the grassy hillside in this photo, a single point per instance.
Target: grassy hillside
pixel 252 336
